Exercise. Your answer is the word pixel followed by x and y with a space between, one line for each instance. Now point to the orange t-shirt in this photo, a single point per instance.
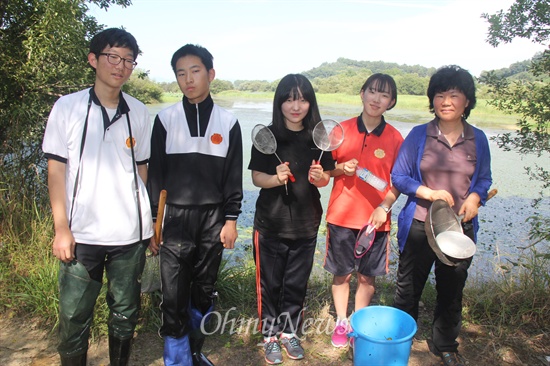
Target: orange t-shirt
pixel 352 200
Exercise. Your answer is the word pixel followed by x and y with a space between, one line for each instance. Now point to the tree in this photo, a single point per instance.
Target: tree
pixel 411 84
pixel 217 86
pixel 44 47
pixel 528 19
pixel 170 87
pixel 141 87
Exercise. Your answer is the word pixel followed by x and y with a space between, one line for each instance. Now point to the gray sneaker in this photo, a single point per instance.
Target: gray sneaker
pixel 273 354
pixel 292 347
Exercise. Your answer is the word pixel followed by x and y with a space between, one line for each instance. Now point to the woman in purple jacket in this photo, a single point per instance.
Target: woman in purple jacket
pixel 446 159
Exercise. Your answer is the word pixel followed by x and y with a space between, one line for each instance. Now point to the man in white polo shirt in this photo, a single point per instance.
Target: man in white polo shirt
pixel 97 142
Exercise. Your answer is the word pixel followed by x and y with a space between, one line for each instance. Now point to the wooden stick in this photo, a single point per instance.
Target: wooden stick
pixel 493 192
pixel 160 216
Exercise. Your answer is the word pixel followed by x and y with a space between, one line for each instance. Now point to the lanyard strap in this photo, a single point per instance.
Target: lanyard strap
pixel 136 183
pixel 82 143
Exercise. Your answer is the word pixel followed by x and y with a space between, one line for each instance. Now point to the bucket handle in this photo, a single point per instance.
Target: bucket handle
pixel 352 334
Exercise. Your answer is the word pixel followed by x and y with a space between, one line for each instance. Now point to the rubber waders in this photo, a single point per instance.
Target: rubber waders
pixel 124 291
pixel 77 297
pixel 79 360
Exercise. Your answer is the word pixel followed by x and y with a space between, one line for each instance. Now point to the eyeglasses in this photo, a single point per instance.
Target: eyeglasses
pixel 116 59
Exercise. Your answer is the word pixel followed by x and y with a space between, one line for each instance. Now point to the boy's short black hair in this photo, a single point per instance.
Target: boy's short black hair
pixel 195 50
pixel 453 77
pixel 113 37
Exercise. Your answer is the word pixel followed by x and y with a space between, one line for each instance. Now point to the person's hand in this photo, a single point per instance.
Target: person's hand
pixel 283 173
pixel 154 246
pixel 470 207
pixel 63 245
pixel 315 171
pixel 442 195
pixel 350 167
pixel 229 234
pixel 378 217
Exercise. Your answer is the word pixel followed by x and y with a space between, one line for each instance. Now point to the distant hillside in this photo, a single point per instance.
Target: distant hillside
pixel 343 65
pixel 516 71
pixel 347 76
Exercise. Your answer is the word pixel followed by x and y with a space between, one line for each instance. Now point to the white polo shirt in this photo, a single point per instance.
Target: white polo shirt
pixel 105 210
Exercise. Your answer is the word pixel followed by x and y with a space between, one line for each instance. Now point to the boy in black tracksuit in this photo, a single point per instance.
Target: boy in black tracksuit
pixel 196 156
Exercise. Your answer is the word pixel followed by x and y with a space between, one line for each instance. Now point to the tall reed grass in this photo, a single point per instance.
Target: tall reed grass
pixel 516 298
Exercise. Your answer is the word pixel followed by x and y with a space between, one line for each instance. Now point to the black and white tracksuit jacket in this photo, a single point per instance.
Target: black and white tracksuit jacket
pixel 196 155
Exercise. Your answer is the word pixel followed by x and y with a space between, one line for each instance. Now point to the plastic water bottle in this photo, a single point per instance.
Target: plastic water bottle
pixel 367 176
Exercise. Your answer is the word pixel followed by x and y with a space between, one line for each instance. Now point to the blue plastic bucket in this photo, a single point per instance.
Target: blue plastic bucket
pixel 382 336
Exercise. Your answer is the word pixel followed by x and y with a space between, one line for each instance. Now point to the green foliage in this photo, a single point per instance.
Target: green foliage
pixel 28 276
pixel 516 71
pixel 411 84
pixel 349 82
pixel 528 19
pixel 255 85
pixel 44 47
pixel 36 293
pixel 171 87
pixel 236 286
pixel 530 99
pixel 217 86
pixel 141 87
pixel 343 64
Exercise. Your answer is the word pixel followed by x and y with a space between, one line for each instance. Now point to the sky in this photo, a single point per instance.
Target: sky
pixel 267 39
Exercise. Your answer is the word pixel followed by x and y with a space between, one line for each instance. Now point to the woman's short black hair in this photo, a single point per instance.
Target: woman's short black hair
pixel 113 37
pixel 453 77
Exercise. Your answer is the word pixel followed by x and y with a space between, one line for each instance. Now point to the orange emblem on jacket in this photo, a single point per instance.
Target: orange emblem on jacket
pixel 132 144
pixel 379 153
pixel 216 138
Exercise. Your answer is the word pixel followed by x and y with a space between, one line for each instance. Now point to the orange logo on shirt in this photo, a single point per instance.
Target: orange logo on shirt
pixel 216 138
pixel 379 153
pixel 130 144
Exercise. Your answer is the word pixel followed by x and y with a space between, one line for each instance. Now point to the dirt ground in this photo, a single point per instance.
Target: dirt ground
pixel 25 343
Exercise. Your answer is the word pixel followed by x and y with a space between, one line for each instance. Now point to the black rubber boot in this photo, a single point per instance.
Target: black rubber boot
pixel 119 351
pixel 205 361
pixel 79 360
pixel 195 343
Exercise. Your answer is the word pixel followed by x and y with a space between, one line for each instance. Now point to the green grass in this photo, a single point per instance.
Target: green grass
pixel 517 297
pixel 171 97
